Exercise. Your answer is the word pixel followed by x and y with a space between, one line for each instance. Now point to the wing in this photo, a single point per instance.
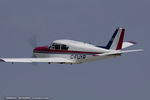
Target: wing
pixel 118 52
pixel 31 60
pixel 127 44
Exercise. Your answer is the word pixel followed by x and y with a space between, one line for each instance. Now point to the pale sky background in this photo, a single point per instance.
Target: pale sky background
pixel 124 78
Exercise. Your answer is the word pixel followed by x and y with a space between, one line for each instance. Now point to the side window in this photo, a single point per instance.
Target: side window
pixel 64 47
pixel 57 47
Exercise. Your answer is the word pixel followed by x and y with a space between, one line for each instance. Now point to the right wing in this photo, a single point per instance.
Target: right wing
pixel 32 60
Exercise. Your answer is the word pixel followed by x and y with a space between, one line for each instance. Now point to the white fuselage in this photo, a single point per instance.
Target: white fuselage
pixel 78 52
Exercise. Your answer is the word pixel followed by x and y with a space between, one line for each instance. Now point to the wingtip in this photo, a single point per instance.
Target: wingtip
pixel 141 49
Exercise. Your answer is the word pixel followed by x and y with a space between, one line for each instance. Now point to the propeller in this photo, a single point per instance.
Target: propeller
pixel 33 43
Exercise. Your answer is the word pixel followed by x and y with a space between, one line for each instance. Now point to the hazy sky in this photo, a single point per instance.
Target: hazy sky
pixel 123 78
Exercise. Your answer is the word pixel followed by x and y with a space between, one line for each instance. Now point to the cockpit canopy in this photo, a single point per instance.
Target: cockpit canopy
pixel 57 46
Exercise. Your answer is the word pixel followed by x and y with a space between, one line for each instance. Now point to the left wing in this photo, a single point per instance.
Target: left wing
pixel 32 60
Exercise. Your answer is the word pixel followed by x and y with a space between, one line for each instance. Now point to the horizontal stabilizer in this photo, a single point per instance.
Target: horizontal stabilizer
pixel 127 51
pixel 118 52
pixel 127 44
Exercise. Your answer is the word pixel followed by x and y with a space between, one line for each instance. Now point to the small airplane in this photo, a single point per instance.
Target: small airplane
pixel 74 52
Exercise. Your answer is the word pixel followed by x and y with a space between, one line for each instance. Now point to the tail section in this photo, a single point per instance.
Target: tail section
pixel 116 41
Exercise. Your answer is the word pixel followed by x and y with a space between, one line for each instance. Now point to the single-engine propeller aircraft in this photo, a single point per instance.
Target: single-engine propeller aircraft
pixel 74 52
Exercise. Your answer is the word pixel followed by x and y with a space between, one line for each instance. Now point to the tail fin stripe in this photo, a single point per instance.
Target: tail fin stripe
pixel 112 39
pixel 119 46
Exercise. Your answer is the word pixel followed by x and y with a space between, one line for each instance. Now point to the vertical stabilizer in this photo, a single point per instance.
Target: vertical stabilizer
pixel 116 40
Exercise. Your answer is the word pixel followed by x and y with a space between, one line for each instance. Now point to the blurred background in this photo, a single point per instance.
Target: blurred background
pixel 92 21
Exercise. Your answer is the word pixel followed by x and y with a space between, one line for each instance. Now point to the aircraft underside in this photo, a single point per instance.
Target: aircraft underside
pixel 76 58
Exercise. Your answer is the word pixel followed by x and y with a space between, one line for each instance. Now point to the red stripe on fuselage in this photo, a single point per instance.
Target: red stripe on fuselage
pixel 47 50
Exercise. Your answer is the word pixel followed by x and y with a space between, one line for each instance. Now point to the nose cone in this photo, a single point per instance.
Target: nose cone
pixel 38 49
